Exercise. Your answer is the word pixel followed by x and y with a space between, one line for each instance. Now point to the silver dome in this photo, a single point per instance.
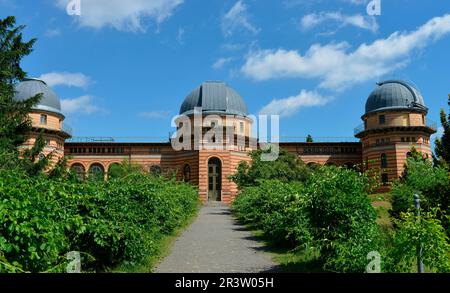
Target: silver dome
pixel 214 97
pixel 395 95
pixel 30 87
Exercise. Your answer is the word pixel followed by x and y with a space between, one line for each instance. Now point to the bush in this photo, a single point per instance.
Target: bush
pixel 278 209
pixel 431 183
pixel 343 219
pixel 114 222
pixel 331 211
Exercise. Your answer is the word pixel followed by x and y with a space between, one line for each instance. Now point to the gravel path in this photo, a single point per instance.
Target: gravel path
pixel 215 243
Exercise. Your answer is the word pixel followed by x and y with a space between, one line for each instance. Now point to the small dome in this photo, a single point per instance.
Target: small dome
pixel 395 95
pixel 30 87
pixel 214 97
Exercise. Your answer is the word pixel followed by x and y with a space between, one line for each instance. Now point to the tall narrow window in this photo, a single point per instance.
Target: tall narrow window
pixel 384 178
pixel 382 119
pixel 187 173
pixel 241 124
pixel 43 120
pixel 384 163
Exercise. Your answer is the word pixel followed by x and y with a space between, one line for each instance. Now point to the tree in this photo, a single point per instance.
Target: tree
pixel 443 144
pixel 309 138
pixel 14 121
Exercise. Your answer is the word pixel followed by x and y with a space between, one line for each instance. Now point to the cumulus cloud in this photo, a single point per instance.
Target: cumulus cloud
pixel 337 66
pixel 82 105
pixel 129 15
pixel 289 106
pixel 236 19
pixel 155 114
pixel 66 79
pixel 312 20
pixel 221 62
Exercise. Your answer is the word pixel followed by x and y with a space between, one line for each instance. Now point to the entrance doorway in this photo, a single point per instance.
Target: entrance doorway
pixel 214 179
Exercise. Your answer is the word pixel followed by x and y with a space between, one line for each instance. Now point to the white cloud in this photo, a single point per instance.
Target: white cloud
pixel 129 15
pixel 221 62
pixel 66 79
pixel 288 106
pixel 336 66
pixel 155 114
pixel 52 32
pixel 81 105
pixel 312 20
pixel 237 19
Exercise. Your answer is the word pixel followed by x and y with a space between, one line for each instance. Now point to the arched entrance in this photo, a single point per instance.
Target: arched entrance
pixel 214 179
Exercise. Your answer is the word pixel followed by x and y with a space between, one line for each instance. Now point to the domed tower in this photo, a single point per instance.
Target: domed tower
pixel 45 117
pixel 216 106
pixel 394 122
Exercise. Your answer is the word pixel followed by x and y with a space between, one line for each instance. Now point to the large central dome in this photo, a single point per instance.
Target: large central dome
pixel 395 95
pixel 214 97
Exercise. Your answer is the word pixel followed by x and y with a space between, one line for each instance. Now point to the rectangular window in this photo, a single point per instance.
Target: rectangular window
pixel 43 120
pixel 405 120
pixel 382 119
pixel 241 124
pixel 403 139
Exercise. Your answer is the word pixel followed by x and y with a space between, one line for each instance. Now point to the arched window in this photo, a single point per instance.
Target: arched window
pixel 155 170
pixel 96 172
pixel 187 173
pixel 384 163
pixel 115 170
pixel 78 169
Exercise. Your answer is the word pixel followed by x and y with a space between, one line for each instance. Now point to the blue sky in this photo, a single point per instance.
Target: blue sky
pixel 122 68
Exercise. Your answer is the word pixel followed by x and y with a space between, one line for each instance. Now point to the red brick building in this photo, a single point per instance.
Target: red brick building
pixel 394 121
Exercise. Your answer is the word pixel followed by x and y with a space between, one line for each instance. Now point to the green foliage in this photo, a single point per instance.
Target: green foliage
pixel 342 218
pixel 309 138
pixel 427 233
pixel 278 209
pixel 286 168
pixel 119 221
pixel 330 212
pixel 123 169
pixel 443 144
pixel 431 183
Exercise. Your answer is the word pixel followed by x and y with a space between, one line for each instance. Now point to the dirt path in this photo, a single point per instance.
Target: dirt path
pixel 215 243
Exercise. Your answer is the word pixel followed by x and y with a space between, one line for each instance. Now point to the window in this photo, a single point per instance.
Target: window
pixel 241 125
pixel 381 119
pixel 384 178
pixel 187 173
pixel 405 120
pixel 384 163
pixel 403 139
pixel 377 142
pixel 423 119
pixel 43 119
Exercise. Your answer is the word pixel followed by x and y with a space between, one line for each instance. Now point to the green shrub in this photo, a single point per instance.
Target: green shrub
pixel 119 221
pixel 431 183
pixel 427 233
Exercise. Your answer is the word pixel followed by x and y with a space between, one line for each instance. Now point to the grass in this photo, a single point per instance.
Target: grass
pixel 164 247
pixel 288 260
pixel 382 202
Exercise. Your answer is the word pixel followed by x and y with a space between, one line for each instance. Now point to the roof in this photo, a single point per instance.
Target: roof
pixel 214 97
pixel 395 95
pixel 30 87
